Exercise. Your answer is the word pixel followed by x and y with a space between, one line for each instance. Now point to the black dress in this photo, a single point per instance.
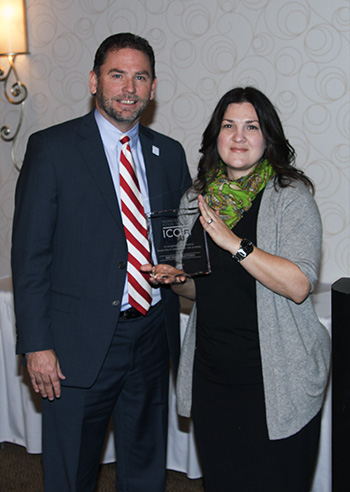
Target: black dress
pixel 228 397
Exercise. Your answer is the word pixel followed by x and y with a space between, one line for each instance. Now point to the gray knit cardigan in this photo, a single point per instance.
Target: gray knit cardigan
pixel 295 346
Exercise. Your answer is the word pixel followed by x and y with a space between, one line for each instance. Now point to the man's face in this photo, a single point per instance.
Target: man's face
pixel 124 87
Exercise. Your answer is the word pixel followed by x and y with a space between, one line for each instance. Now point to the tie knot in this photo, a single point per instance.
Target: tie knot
pixel 125 139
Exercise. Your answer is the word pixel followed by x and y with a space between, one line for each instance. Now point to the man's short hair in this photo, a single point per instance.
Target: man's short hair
pixel 120 41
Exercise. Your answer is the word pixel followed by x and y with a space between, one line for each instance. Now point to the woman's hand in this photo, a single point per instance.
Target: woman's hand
pixel 276 273
pixel 217 229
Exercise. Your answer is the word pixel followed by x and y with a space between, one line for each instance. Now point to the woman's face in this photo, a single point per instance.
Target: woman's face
pixel 240 142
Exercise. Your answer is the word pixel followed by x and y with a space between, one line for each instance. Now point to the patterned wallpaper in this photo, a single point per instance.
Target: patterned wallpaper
pixel 296 51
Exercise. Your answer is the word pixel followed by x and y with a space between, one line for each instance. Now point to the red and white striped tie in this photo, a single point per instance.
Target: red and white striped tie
pixel 135 226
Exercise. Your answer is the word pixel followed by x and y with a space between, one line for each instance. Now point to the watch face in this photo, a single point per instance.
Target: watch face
pixel 247 246
pixel 241 254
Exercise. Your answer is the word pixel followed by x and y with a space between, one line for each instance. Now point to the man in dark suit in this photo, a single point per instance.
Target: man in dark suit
pixel 89 353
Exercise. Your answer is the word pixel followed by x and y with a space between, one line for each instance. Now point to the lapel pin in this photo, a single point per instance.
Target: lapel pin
pixel 155 150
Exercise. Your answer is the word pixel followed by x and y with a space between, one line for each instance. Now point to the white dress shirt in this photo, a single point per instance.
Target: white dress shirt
pixel 111 141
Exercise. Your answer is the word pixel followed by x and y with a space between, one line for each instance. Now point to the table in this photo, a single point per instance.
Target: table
pixel 20 418
pixel 322 300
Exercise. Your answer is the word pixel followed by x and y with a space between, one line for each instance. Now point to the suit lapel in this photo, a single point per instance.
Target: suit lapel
pixel 154 166
pixel 151 160
pixel 92 151
pixel 154 169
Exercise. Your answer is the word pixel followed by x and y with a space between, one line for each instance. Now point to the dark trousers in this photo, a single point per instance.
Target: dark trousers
pixel 132 388
pixel 235 450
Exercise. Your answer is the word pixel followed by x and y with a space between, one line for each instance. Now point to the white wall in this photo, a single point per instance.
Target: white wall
pixel 297 52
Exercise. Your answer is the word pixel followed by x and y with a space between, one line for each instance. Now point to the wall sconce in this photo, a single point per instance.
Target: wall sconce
pixel 13 42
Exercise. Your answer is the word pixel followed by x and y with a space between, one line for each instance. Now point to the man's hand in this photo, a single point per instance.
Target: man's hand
pixel 164 274
pixel 45 373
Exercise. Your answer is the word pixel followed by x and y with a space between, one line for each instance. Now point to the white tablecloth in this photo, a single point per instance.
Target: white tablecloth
pixel 323 476
pixel 20 418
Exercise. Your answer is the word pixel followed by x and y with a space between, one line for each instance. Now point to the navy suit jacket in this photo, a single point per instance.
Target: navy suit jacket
pixel 69 250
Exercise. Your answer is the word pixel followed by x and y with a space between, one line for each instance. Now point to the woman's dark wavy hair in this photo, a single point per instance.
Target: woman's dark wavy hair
pixel 278 150
pixel 119 41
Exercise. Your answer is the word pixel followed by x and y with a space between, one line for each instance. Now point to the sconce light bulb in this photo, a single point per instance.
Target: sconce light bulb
pixel 7 12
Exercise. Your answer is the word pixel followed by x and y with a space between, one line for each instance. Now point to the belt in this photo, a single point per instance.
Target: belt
pixel 133 313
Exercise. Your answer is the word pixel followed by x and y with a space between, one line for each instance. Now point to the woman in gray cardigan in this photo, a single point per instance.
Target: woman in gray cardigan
pixel 255 359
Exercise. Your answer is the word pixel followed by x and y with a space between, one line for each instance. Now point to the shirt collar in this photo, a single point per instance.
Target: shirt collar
pixel 111 135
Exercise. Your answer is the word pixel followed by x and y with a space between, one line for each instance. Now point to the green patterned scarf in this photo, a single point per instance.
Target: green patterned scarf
pixel 233 197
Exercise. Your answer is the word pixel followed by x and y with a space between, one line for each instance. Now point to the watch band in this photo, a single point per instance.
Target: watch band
pixel 246 247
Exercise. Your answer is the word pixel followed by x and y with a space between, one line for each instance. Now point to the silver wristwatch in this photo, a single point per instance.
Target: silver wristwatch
pixel 246 247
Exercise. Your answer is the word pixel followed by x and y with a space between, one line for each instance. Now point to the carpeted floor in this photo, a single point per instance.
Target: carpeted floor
pixel 22 472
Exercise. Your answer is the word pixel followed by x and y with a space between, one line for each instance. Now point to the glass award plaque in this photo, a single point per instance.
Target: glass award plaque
pixel 182 245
